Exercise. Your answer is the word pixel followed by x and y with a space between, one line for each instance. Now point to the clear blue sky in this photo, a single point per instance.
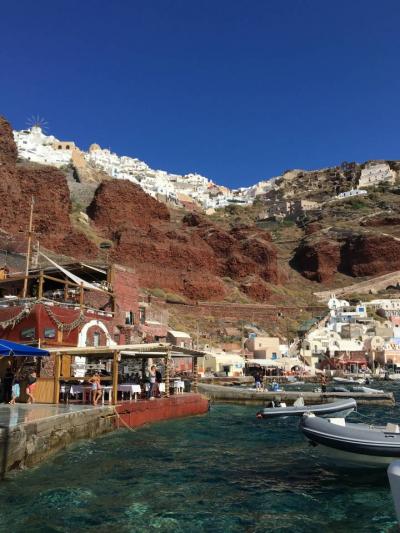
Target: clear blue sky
pixel 235 90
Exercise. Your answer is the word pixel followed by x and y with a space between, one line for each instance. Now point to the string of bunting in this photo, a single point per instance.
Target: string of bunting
pixel 13 321
pixel 66 327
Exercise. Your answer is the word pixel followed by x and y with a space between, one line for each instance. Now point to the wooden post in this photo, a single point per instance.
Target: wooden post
pixel 196 376
pixel 41 280
pixel 115 379
pixel 28 251
pixel 81 296
pixel 57 369
pixel 166 362
pixel 66 291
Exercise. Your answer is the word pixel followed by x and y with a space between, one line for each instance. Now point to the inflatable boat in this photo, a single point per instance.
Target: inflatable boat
pixel 350 381
pixel 371 445
pixel 344 406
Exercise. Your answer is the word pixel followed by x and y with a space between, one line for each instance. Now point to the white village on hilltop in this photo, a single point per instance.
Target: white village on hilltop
pixel 189 190
pixel 34 145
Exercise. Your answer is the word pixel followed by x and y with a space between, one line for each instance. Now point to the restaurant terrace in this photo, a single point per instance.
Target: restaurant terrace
pixel 116 356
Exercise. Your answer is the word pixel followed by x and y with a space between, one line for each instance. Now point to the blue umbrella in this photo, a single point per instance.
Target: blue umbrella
pixel 8 348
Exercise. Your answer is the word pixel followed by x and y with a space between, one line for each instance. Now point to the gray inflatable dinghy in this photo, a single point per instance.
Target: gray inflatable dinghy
pixel 371 445
pixel 344 406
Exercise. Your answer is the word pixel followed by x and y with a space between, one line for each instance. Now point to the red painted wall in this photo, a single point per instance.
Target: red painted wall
pixel 136 414
pixel 40 320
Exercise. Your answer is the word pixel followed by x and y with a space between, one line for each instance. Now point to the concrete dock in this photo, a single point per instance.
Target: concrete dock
pixel 228 394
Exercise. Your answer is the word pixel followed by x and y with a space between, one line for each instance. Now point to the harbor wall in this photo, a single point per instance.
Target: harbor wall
pixel 226 394
pixel 30 443
pixel 135 414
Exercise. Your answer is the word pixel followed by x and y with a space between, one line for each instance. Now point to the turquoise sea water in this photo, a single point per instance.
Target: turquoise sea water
pixel 223 472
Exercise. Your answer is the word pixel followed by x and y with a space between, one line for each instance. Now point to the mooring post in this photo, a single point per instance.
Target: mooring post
pixel 57 371
pixel 115 378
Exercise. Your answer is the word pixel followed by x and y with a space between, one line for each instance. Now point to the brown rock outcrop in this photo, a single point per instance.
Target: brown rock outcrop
pixel 19 183
pixel 119 204
pixel 256 290
pixel 370 255
pixel 351 254
pixel 313 227
pixel 317 261
pixel 187 257
pixel 8 149
pixel 381 220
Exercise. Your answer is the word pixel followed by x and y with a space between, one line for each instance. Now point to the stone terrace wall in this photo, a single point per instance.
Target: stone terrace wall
pixel 240 311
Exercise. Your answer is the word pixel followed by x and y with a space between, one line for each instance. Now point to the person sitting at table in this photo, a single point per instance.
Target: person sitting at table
pixel 96 388
pixel 136 379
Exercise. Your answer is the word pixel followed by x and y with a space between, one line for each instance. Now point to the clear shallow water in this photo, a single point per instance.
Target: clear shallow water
pixel 223 472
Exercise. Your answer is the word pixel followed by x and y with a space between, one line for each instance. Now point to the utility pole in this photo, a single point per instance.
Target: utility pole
pixel 197 336
pixel 28 251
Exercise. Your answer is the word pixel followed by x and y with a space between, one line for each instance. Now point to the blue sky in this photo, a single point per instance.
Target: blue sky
pixel 235 90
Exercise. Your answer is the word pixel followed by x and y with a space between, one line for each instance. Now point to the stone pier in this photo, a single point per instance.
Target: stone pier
pixel 29 434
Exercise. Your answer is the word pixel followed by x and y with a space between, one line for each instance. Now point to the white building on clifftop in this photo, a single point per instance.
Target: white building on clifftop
pixel 35 146
pixel 376 173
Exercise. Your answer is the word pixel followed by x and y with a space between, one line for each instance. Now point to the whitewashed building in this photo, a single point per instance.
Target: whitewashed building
pixel 376 173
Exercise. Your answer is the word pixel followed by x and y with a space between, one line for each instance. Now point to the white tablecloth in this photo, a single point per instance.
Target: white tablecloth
pixel 129 387
pixel 81 389
pixel 179 385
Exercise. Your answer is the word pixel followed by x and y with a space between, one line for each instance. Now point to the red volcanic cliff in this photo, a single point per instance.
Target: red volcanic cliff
pixel 131 207
pixel 188 257
pixel 317 261
pixel 19 182
pixel 370 255
pixel 352 254
pixel 184 255
pixel 8 149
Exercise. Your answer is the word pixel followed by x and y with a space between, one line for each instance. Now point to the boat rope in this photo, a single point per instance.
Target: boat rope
pixel 124 423
pixel 371 426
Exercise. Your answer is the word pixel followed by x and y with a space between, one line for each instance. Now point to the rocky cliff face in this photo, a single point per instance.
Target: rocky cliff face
pixel 317 261
pixel 8 149
pixel 353 254
pixel 187 256
pixel 19 182
pixel 120 204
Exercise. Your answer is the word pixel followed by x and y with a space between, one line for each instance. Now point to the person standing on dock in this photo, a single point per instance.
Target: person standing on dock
pixel 15 392
pixel 257 379
pixel 31 387
pixel 96 387
pixel 7 383
pixel 152 384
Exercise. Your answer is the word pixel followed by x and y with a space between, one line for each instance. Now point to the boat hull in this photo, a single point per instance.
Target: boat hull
pixel 353 443
pixel 343 406
pixel 343 458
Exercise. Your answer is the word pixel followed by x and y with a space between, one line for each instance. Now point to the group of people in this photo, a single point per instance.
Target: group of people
pixel 153 391
pixel 12 382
